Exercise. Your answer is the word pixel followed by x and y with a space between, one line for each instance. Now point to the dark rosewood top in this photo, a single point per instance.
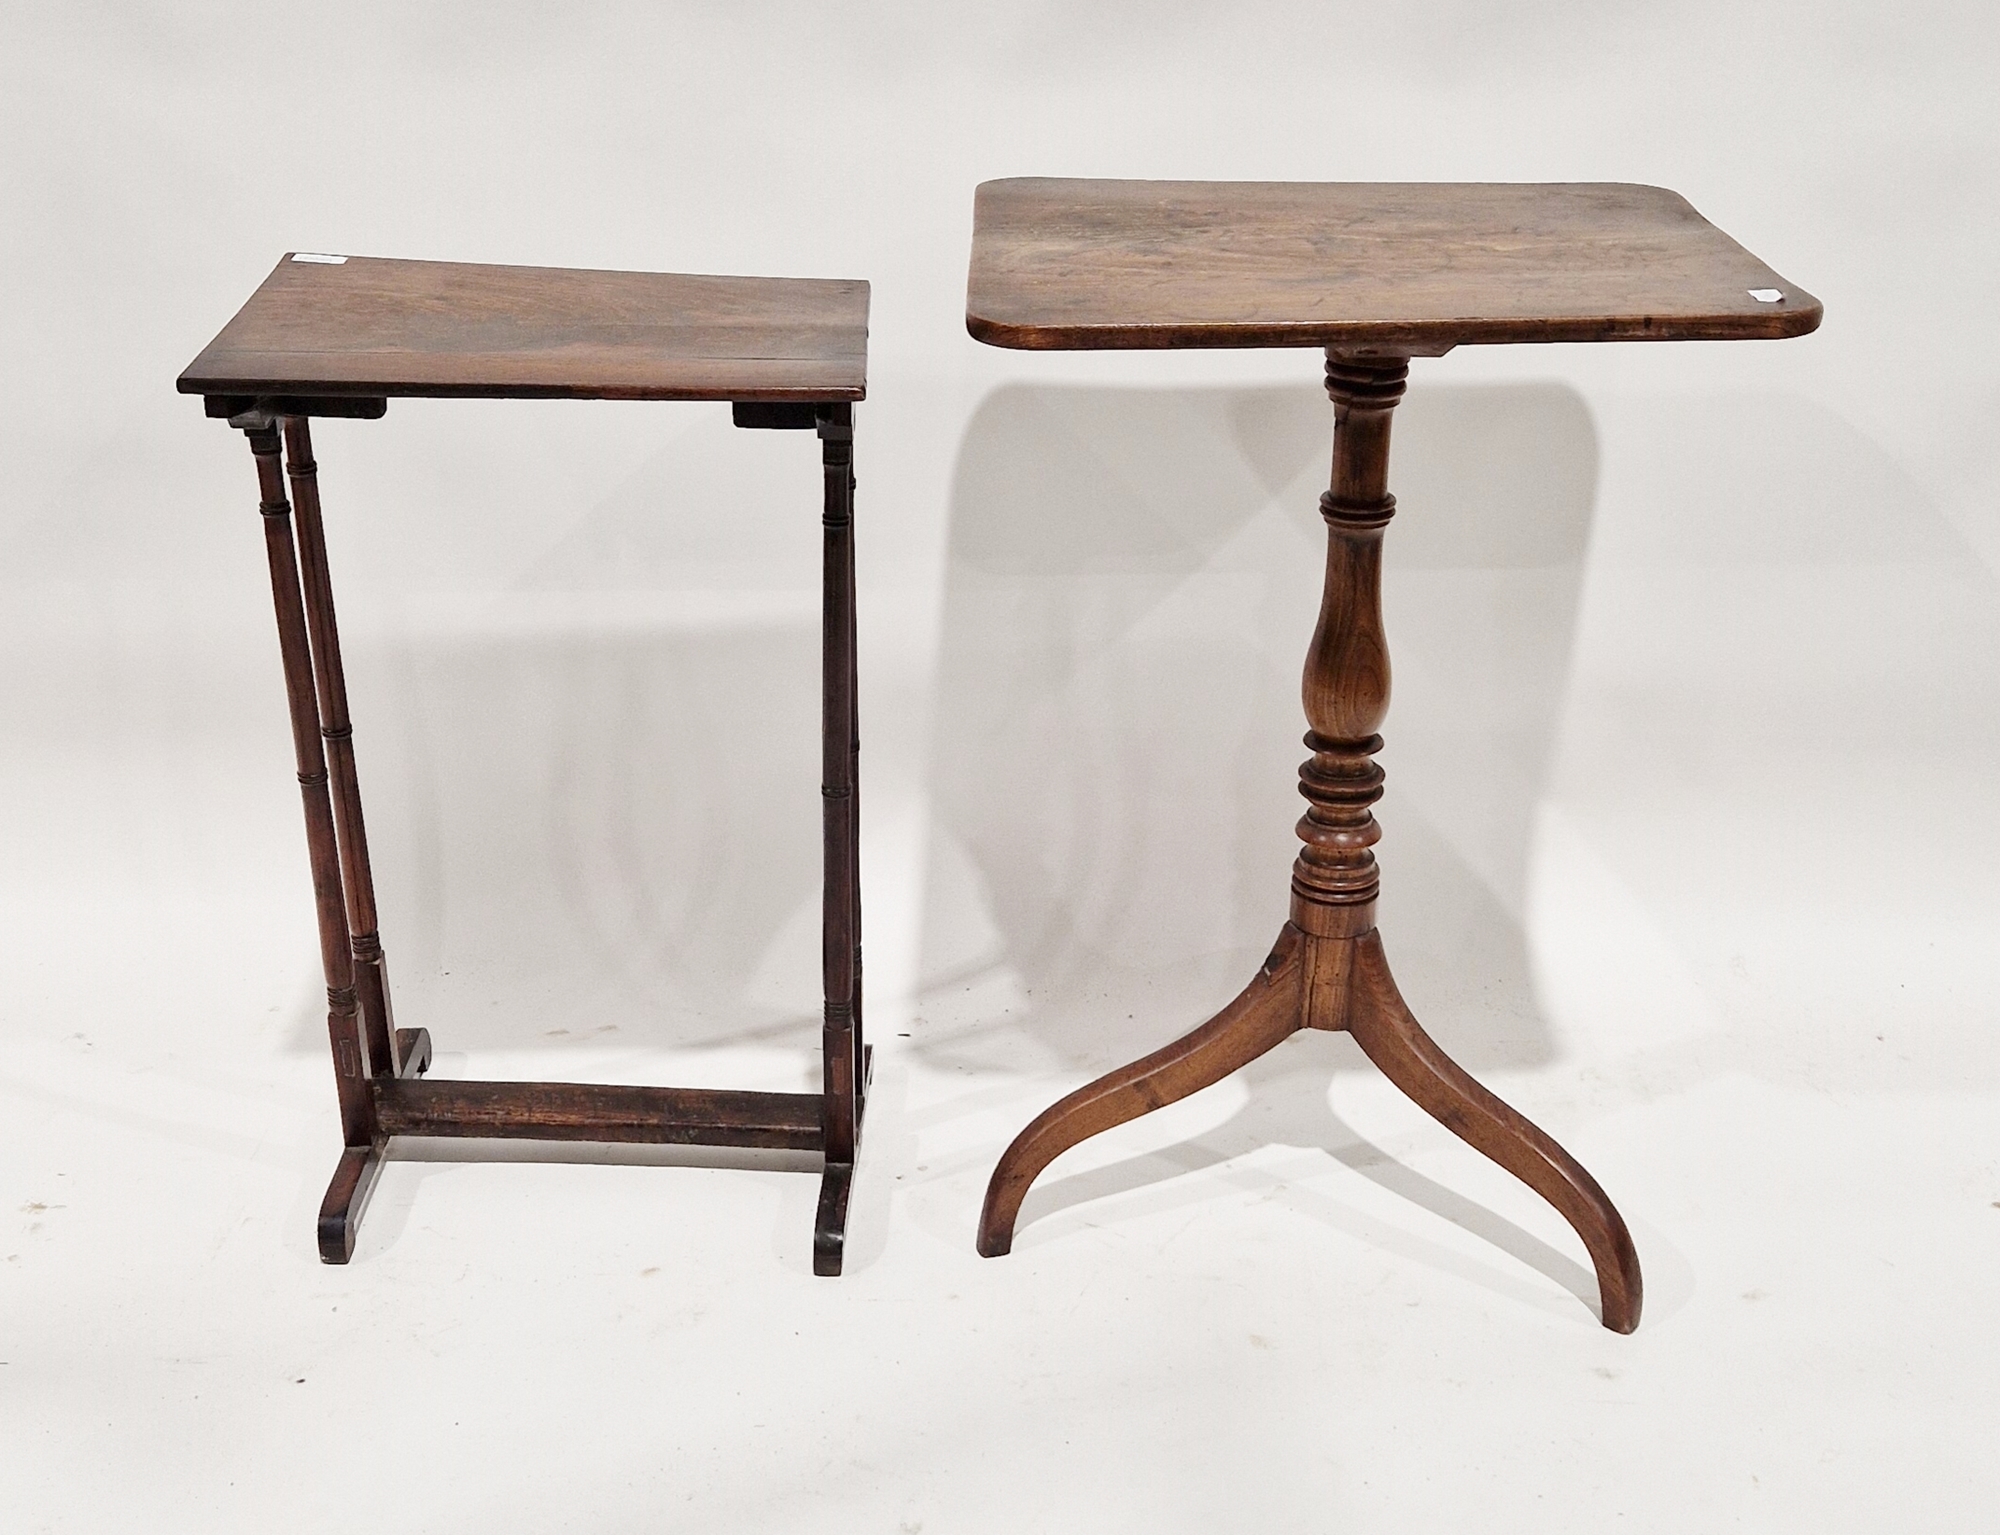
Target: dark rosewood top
pixel 1410 268
pixel 366 326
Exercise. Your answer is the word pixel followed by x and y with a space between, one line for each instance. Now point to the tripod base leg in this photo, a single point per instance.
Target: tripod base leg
pixel 1333 983
pixel 1391 1037
pixel 1267 1011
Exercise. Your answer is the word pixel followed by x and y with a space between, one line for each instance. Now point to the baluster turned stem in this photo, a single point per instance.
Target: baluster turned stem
pixel 336 729
pixel 357 1106
pixel 1346 685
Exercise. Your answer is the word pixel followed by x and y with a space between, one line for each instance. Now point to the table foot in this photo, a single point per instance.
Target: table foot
pixel 359 1166
pixel 830 1221
pixel 1269 1009
pixel 1391 1037
pixel 346 1197
pixel 835 1183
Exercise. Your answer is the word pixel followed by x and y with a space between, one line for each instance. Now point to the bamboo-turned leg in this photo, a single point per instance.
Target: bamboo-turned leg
pixel 1328 970
pixel 863 1052
pixel 392 1052
pixel 845 1058
pixel 355 1176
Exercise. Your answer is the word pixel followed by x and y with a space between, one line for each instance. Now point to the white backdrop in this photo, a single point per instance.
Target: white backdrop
pixel 1690 836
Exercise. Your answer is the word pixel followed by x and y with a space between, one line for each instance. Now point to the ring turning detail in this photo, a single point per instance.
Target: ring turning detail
pixel 1328 969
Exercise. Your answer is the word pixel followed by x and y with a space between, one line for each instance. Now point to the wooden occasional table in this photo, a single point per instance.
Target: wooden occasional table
pixel 338 336
pixel 1376 275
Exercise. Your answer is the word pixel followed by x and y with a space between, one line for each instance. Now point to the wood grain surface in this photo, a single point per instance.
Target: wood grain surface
pixel 1402 268
pixel 578 1111
pixel 370 326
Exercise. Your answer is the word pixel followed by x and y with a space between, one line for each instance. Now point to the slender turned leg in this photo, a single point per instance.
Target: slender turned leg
pixel 1328 971
pixel 315 692
pixel 845 1061
pixel 853 876
pixel 864 1052
pixel 351 1064
pixel 371 982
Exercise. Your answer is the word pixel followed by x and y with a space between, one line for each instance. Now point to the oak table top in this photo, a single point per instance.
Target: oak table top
pixel 323 325
pixel 1396 268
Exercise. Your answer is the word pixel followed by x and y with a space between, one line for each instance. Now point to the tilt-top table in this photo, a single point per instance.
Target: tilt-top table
pixel 338 336
pixel 1375 274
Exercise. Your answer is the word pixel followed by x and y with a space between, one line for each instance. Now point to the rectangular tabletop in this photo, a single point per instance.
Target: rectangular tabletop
pixel 1396 267
pixel 365 326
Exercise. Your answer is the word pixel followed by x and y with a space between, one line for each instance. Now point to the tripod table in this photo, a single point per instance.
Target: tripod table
pixel 331 335
pixel 1375 274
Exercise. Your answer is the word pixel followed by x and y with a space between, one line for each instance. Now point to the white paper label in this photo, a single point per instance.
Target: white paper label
pixel 315 257
pixel 1761 295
